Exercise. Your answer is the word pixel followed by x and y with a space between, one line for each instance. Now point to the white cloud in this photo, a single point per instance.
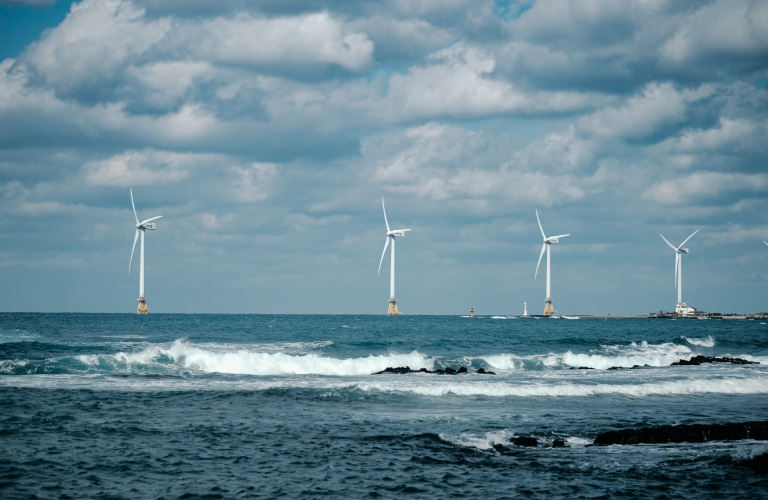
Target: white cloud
pixel 143 168
pixel 314 38
pixel 720 29
pixel 700 186
pixel 658 105
pixel 460 82
pixel 557 151
pixel 165 83
pixel 93 43
pixel 253 183
pixel 729 135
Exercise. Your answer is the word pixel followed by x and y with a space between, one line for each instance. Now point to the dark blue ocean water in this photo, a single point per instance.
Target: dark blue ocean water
pixel 270 406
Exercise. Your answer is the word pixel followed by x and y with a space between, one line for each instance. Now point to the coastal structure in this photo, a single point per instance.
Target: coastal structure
pixel 391 235
pixel 140 228
pixel 547 243
pixel 682 309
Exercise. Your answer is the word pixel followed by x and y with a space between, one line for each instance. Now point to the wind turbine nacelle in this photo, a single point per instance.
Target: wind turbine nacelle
pixel 554 241
pixel 683 250
pixel 150 225
pixel 397 233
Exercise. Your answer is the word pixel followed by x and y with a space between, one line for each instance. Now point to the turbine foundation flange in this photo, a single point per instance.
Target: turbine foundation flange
pixel 548 310
pixel 392 311
pixel 143 309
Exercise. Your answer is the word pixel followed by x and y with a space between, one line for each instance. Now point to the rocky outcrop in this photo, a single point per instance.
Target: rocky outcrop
pixel 697 360
pixel 695 433
pixel 446 371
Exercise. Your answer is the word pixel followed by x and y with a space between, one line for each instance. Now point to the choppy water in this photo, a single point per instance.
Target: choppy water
pixel 266 406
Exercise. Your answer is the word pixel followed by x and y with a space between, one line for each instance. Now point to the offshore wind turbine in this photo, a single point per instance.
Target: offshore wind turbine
pixel 391 235
pixel 547 243
pixel 140 228
pixel 682 307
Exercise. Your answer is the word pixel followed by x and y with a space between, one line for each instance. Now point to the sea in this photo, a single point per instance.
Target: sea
pixel 194 406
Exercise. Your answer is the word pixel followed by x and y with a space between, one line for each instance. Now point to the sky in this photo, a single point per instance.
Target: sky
pixel 266 134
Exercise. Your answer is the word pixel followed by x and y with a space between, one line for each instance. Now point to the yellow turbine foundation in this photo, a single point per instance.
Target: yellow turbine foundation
pixel 143 309
pixel 392 311
pixel 548 311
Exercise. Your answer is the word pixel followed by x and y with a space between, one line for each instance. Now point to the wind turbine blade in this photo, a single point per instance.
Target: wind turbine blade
pixel 766 242
pixel 385 213
pixel 668 243
pixel 558 236
pixel 150 220
pixel 134 207
pixel 541 228
pixel 543 249
pixel 688 238
pixel 386 244
pixel 132 249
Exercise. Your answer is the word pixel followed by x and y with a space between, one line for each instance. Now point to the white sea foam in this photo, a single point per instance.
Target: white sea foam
pixel 707 342
pixel 234 359
pixel 625 356
pixel 677 387
pixel 489 439
pixel 498 317
pixel 15 335
pixel 481 442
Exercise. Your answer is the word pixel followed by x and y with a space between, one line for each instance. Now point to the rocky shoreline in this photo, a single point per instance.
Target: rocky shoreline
pixel 667 434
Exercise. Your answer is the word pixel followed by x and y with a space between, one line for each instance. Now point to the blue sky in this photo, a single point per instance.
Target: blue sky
pixel 266 133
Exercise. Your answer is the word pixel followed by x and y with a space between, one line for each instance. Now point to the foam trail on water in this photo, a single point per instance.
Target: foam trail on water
pixel 679 387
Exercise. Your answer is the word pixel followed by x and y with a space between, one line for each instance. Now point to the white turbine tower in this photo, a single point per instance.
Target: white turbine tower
pixel 548 241
pixel 391 235
pixel 682 308
pixel 140 228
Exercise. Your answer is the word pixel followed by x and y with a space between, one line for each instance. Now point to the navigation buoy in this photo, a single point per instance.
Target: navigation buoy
pixel 471 312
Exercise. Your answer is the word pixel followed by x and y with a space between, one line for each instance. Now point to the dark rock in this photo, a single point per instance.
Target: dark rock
pixel 558 443
pixel 482 371
pixel 500 448
pixel 581 368
pixel 447 371
pixel 757 464
pixel 399 369
pixel 697 360
pixel 696 433
pixel 524 441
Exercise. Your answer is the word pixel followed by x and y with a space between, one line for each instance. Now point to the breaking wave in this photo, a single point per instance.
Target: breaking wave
pixel 243 361
pixel 707 342
pixel 608 356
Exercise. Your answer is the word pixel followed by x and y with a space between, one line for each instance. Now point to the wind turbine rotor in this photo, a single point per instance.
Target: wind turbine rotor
pixel 397 232
pixel 134 208
pixel 556 239
pixel 685 240
pixel 149 220
pixel 540 228
pixel 543 249
pixel 135 238
pixel 384 252
pixel 668 243
pixel 385 214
